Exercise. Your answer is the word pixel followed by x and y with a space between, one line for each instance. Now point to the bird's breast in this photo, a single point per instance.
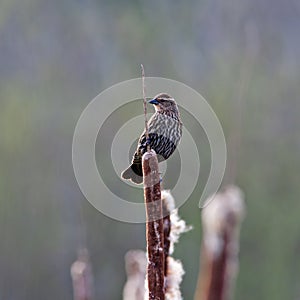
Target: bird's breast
pixel 165 126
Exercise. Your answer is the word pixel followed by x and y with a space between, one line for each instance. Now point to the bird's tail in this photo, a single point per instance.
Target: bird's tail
pixel 134 173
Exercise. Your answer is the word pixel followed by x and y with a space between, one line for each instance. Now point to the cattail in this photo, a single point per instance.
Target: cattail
pixel 154 228
pixel 221 220
pixel 135 262
pixel 81 273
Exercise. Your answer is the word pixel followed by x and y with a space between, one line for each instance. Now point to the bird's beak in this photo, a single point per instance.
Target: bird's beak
pixel 153 101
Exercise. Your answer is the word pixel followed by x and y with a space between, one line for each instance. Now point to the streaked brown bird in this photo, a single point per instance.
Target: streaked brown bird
pixel 165 131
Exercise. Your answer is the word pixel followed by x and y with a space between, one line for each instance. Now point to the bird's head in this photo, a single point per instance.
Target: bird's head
pixel 164 103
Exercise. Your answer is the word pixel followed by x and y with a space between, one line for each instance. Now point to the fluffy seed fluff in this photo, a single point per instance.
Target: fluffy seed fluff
pixel 178 226
pixel 136 264
pixel 174 277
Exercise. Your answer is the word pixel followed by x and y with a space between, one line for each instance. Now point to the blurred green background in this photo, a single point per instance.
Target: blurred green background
pixel 56 56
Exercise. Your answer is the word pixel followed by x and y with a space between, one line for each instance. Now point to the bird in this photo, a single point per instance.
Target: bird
pixel 165 131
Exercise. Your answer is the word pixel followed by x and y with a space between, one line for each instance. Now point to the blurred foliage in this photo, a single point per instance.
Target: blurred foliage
pixel 57 55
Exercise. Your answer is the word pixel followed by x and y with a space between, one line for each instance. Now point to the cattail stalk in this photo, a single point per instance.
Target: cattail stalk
pixel 221 220
pixel 154 227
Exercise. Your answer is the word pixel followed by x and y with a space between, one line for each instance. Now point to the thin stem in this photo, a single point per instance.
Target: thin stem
pixel 145 107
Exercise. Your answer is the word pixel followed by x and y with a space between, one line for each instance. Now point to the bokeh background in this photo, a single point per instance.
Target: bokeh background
pixel 56 56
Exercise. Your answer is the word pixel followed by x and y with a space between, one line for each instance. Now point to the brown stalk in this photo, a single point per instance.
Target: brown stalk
pixel 167 231
pixel 219 254
pixel 154 227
